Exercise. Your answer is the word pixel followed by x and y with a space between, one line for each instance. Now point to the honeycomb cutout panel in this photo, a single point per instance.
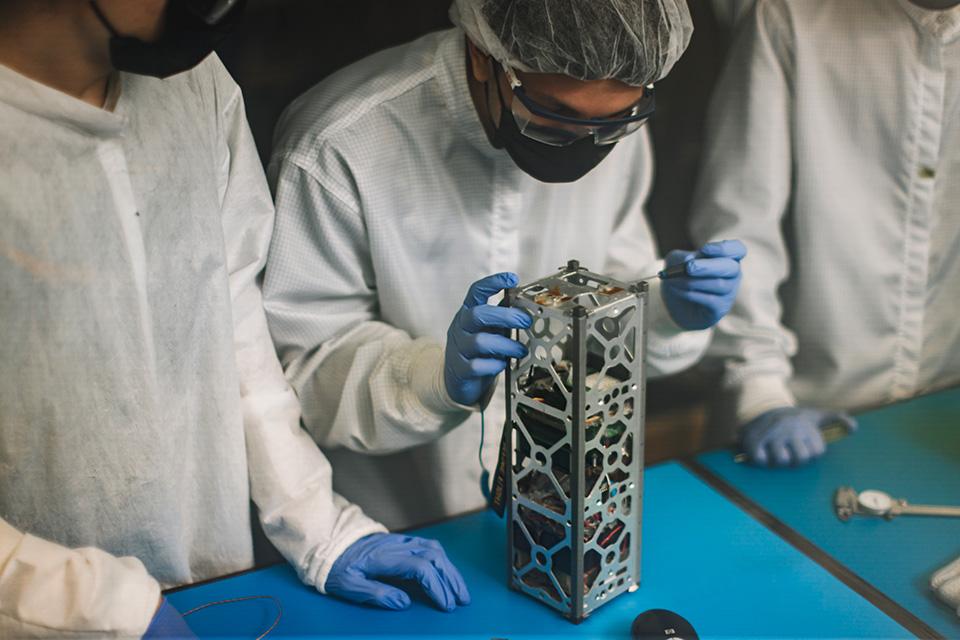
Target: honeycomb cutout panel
pixel 575 418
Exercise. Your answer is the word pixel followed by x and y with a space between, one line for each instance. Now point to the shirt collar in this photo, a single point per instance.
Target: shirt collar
pixel 46 102
pixel 452 74
pixel 943 25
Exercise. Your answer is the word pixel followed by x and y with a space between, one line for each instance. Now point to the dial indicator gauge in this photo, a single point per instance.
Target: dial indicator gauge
pixel 875 502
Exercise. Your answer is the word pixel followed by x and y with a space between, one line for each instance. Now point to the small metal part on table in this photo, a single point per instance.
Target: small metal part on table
pixel 847 502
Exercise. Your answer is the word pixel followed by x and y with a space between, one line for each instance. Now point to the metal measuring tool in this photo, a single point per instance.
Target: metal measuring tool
pixel 847 502
pixel 831 433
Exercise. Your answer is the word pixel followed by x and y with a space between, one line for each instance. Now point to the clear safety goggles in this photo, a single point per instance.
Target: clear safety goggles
pixel 211 11
pixel 543 125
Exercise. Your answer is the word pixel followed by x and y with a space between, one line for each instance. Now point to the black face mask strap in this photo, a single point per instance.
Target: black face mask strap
pixel 486 96
pixel 103 19
pixel 496 80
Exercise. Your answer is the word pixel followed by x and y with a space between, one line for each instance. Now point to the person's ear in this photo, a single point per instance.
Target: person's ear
pixel 479 62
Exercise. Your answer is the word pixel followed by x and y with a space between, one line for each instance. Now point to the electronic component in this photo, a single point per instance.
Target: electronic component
pixel 575 438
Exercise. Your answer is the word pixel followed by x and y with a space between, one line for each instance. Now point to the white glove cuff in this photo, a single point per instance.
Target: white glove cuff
pixel 426 379
pixel 660 320
pixel 325 564
pixel 946 583
pixel 759 394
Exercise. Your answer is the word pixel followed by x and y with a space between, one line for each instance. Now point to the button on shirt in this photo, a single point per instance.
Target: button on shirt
pixel 391 202
pixel 834 152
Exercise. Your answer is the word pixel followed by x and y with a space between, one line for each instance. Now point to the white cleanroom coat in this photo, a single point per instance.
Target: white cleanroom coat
pixel 834 153
pixel 391 202
pixel 140 395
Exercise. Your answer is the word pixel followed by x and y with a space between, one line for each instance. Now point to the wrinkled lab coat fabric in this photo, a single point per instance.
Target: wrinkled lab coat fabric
pixel 140 395
pixel 834 154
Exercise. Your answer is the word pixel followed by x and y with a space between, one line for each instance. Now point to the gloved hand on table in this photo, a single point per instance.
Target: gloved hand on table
pixel 699 299
pixel 355 574
pixel 789 435
pixel 168 623
pixel 477 351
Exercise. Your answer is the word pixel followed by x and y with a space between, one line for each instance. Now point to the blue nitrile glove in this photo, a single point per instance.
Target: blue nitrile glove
pixel 168 623
pixel 393 556
pixel 789 435
pixel 477 350
pixel 706 293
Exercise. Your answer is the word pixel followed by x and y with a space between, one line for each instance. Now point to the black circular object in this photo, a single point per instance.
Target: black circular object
pixel 660 624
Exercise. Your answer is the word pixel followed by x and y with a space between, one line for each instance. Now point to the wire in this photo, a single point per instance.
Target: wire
pixel 609 537
pixel 484 474
pixel 217 603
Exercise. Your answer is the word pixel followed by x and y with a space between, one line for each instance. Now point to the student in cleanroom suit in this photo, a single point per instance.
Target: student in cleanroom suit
pixel 141 401
pixel 504 146
pixel 834 153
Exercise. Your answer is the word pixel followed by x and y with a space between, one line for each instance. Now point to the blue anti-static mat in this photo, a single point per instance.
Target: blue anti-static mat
pixel 703 558
pixel 910 450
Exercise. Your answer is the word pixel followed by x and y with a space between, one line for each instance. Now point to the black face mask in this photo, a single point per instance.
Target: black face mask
pixel 542 161
pixel 185 42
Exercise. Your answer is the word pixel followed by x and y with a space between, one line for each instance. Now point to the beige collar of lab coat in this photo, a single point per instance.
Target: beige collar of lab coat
pixel 34 97
pixel 943 25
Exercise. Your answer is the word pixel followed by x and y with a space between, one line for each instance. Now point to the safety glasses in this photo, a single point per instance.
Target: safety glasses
pixel 562 131
pixel 211 11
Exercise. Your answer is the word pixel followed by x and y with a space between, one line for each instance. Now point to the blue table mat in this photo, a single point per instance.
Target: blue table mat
pixel 703 558
pixel 910 450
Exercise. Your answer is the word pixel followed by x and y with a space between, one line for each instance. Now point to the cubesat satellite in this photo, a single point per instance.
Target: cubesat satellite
pixel 572 453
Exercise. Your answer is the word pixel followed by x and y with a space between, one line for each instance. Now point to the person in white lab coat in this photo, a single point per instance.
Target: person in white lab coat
pixel 834 152
pixel 402 179
pixel 141 401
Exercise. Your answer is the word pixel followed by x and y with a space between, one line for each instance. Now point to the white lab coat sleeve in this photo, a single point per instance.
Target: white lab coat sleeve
pixel 633 254
pixel 946 584
pixel 47 590
pixel 364 384
pixel 290 479
pixel 744 192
